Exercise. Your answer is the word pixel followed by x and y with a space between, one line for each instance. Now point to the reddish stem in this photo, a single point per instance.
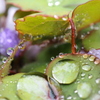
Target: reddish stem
pixel 73 36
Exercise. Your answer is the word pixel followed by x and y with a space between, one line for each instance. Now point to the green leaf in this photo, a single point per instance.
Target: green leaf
pixel 41 26
pixel 34 67
pixel 50 7
pixel 88 75
pixel 86 14
pixel 92 41
pixel 8 87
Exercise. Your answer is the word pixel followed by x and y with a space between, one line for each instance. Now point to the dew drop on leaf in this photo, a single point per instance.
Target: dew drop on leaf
pixel 10 51
pixel 98 80
pixel 65 72
pixel 86 67
pixel 4 60
pixel 92 58
pixel 52 58
pixel 84 90
pixel 69 98
pixel 90 76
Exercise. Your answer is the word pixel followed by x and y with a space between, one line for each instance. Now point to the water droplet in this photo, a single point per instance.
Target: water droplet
pixel 99 92
pixel 60 55
pixel 84 90
pixel 85 55
pixel 98 80
pixel 56 16
pixel 21 46
pixel 97 61
pixel 54 2
pixel 27 37
pixel 86 67
pixel 90 76
pixel 83 74
pixel 10 51
pixel 4 60
pixel 62 97
pixel 69 97
pixel 75 91
pixel 64 18
pixel 92 58
pixel 52 58
pixel 65 72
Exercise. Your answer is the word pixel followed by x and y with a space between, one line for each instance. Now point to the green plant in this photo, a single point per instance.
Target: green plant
pixel 65 28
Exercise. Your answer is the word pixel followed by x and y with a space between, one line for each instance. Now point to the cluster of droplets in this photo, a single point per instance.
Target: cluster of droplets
pixel 54 2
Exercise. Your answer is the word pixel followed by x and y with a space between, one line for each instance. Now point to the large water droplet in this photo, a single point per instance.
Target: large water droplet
pixel 86 67
pixel 10 51
pixel 65 72
pixel 84 90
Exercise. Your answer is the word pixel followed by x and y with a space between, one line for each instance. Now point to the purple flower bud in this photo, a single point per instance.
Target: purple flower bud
pixel 8 38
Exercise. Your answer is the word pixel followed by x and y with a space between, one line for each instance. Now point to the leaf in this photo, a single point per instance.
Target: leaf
pixel 49 7
pixel 34 67
pixel 37 87
pixel 86 14
pixel 92 41
pixel 88 76
pixel 8 87
pixel 41 26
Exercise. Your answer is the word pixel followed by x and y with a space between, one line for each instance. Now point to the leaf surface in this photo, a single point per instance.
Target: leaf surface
pixel 86 14
pixel 40 26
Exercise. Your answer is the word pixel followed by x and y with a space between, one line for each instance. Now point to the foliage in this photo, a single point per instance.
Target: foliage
pixel 57 27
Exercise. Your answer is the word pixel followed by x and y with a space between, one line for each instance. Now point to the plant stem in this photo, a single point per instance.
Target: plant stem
pixel 73 36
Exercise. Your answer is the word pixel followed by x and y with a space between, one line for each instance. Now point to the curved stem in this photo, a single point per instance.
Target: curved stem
pixel 73 36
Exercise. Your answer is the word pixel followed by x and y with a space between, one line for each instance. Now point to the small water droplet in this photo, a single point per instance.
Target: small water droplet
pixel 10 51
pixel 52 58
pixel 82 74
pixel 97 61
pixel 75 91
pixel 27 37
pixel 90 76
pixel 60 55
pixel 62 97
pixel 92 58
pixel 64 18
pixel 56 16
pixel 69 97
pixel 85 55
pixel 84 90
pixel 99 92
pixel 21 46
pixel 86 67
pixel 98 80
pixel 4 60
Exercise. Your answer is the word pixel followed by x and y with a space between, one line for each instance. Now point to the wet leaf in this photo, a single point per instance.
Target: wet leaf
pixel 9 84
pixel 36 86
pixel 88 76
pixel 50 7
pixel 34 67
pixel 92 41
pixel 86 14
pixel 40 26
